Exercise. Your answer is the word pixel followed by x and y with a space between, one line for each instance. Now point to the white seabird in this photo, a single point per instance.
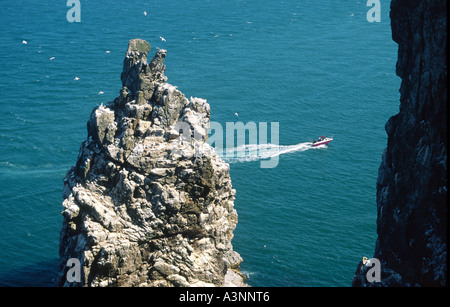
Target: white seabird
pixel 76 79
pixel 365 262
pixel 52 58
pixel 162 38
pixel 24 42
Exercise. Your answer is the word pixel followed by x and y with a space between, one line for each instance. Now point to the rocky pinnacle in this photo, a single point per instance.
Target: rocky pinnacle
pixel 148 202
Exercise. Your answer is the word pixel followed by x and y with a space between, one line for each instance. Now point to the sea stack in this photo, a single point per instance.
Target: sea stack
pixel 148 203
pixel 412 179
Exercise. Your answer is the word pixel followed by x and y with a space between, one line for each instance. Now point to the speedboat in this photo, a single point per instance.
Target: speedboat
pixel 321 141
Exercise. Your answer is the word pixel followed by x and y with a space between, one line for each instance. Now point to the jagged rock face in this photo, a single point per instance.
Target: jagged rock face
pixel 412 179
pixel 148 202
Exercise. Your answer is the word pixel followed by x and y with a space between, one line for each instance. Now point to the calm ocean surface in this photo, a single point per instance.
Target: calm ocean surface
pixel 315 67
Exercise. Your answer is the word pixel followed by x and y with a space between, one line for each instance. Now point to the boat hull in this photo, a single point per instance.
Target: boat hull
pixel 326 141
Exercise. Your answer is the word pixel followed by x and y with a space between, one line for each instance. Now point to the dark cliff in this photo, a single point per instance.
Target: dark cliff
pixel 412 178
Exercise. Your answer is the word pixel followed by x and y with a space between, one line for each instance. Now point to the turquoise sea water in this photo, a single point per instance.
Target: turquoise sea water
pixel 315 67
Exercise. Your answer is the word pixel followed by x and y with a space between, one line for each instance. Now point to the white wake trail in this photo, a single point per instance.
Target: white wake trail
pixel 255 152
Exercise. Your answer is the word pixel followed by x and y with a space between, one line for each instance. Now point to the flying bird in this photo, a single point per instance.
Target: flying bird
pixel 52 58
pixel 236 114
pixel 76 79
pixel 107 51
pixel 100 93
pixel 145 13
pixel 24 42
pixel 162 38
